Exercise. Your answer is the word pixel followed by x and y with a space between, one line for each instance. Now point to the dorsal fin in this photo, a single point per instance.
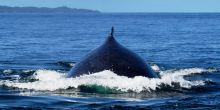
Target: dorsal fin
pixel 111 35
pixel 112 31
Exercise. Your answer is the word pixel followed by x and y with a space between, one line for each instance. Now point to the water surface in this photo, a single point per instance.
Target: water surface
pixel 37 50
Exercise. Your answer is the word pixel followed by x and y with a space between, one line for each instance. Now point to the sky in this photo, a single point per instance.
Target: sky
pixel 125 5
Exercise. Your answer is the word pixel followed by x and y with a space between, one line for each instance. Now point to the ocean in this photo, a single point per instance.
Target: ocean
pixel 38 49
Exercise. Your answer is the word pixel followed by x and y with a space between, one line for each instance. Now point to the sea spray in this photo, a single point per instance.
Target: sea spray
pixel 50 80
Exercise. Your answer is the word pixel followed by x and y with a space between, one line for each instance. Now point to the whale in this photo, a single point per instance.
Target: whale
pixel 111 55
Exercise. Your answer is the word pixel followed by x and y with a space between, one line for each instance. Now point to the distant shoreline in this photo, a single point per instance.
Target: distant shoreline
pixel 8 9
pixel 64 9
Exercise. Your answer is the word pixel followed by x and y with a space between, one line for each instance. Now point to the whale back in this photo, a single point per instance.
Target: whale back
pixel 113 56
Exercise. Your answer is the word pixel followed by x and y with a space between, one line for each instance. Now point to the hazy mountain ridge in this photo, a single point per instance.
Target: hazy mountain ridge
pixel 62 9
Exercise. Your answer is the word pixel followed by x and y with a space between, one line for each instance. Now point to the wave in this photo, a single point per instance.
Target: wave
pixel 50 80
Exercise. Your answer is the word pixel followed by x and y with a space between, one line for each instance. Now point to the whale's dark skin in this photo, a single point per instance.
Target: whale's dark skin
pixel 112 56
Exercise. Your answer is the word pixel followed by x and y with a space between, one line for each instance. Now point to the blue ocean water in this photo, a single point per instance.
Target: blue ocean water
pixel 38 49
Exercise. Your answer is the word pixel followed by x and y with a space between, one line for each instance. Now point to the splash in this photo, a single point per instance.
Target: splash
pixel 49 80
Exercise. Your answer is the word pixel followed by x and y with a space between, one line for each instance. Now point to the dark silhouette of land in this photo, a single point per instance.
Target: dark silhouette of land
pixel 62 9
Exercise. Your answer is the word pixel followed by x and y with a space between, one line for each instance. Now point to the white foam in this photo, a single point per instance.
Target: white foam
pixel 155 68
pixel 72 64
pixel 53 80
pixel 7 71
